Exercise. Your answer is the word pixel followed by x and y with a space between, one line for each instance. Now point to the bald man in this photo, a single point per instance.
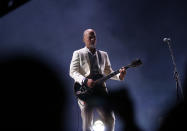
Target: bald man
pixel 84 62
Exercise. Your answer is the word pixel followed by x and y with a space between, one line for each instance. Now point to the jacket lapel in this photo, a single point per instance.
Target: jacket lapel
pixel 99 60
pixel 87 58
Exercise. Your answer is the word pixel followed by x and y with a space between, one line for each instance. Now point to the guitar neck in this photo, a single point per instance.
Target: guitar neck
pixel 103 79
pixel 135 63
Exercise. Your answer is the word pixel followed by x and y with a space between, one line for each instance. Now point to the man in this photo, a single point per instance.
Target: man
pixel 86 61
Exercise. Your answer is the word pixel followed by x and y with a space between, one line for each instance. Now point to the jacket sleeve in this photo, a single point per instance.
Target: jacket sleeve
pixel 108 68
pixel 75 68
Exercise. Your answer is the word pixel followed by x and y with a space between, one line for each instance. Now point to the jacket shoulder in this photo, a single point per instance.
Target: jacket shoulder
pixel 79 50
pixel 103 52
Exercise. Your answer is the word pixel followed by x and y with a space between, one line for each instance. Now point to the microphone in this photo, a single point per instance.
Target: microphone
pixel 166 40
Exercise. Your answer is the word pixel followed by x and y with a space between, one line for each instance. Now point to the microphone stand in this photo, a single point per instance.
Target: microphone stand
pixel 176 74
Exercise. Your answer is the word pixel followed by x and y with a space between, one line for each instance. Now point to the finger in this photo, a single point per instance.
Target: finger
pixel 123 69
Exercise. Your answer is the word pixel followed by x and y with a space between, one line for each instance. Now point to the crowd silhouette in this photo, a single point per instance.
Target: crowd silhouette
pixel 32 97
pixel 175 119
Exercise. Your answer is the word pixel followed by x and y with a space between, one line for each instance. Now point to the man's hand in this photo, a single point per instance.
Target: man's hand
pixel 90 83
pixel 122 73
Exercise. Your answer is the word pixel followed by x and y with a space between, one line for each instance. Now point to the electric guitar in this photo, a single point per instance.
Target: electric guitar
pixel 84 92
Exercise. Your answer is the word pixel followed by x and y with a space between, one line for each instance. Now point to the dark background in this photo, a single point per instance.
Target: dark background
pixel 126 29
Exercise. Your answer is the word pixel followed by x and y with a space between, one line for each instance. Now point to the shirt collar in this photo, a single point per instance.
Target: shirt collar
pixel 90 51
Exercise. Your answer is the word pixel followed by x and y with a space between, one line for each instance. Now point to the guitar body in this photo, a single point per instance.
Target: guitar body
pixel 85 93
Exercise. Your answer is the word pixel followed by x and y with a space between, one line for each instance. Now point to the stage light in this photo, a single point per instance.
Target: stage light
pixel 98 126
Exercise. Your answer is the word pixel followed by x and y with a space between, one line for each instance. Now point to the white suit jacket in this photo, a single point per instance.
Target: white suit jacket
pixel 80 65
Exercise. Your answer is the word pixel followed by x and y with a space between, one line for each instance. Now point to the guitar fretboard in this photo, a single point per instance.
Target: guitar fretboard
pixel 110 75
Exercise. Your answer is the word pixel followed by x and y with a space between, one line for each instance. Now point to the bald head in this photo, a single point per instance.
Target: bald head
pixel 88 31
pixel 89 38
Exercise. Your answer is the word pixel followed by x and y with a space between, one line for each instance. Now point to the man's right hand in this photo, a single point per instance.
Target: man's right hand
pixel 90 83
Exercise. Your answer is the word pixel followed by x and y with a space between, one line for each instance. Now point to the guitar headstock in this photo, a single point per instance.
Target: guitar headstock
pixel 135 63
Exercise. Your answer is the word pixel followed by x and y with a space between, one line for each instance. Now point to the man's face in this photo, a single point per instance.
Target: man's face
pixel 90 38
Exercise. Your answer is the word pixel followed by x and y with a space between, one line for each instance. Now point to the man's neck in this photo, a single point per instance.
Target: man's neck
pixel 92 50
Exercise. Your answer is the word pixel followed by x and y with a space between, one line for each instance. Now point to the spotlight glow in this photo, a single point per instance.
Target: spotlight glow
pixel 98 126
